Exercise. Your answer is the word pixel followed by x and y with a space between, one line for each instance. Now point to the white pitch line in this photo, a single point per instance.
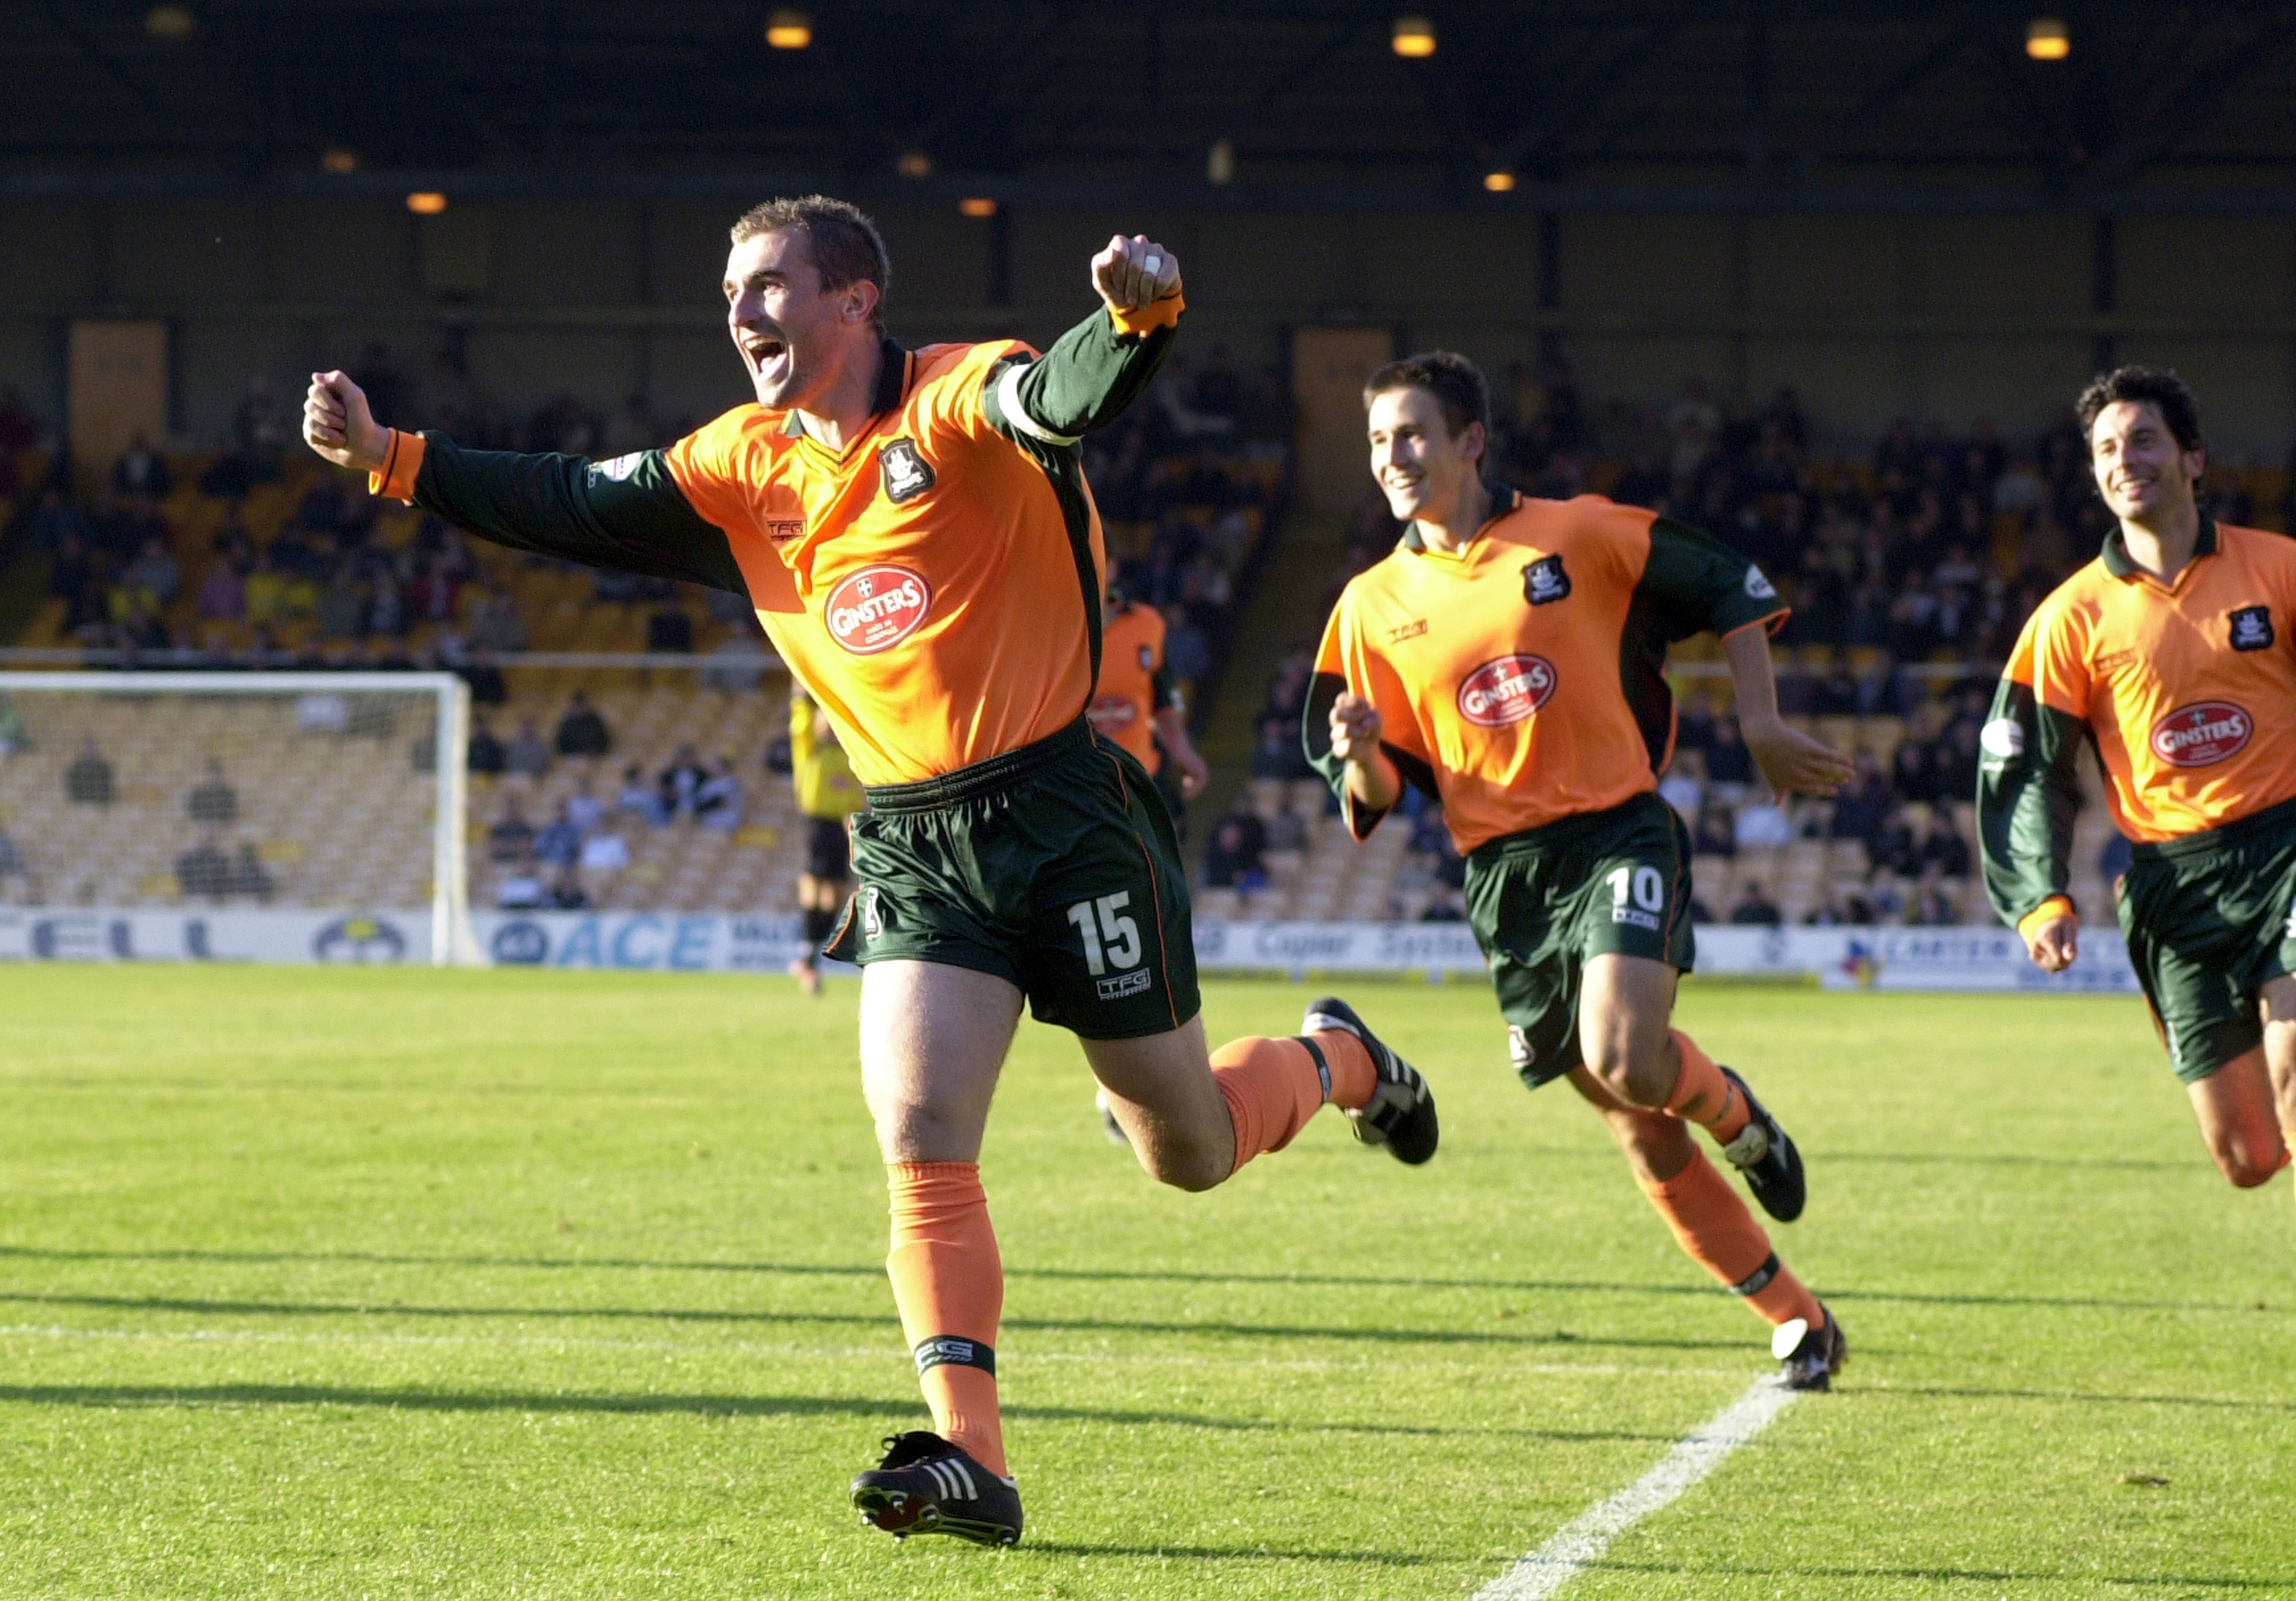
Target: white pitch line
pixel 1581 1541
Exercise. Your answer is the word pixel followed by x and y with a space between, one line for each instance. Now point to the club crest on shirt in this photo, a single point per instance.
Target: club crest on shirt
pixel 2251 628
pixel 907 474
pixel 876 608
pixel 1544 581
pixel 1505 691
pixel 2201 735
pixel 1112 714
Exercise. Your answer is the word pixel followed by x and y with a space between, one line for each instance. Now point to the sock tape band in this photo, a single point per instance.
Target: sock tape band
pixel 950 1350
pixel 1753 1284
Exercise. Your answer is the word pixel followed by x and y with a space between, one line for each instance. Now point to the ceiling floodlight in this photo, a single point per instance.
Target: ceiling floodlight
pixel 1498 182
pixel 170 22
pixel 1413 36
pixel 1219 163
pixel 978 206
pixel 338 159
pixel 913 164
pixel 2046 40
pixel 788 30
pixel 426 203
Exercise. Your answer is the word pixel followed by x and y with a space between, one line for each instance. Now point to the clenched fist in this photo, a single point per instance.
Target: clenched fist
pixel 1135 272
pixel 339 426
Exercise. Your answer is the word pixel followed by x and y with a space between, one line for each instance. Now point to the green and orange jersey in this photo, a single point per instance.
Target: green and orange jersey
pixel 1134 684
pixel 1522 680
pixel 935 585
pixel 2185 689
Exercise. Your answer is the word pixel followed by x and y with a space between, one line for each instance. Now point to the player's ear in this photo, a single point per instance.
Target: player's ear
pixel 1473 439
pixel 861 300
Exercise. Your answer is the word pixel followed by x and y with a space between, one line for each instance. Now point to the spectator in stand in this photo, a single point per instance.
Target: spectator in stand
pixel 1682 788
pixel 566 891
pixel 522 889
pixel 1187 649
pixel 1934 908
pixel 1754 908
pixel 742 656
pixel 640 797
pixel 1897 849
pixel 1862 808
pixel 718 799
pixel 1943 851
pixel 528 754
pixel 249 877
pixel 486 750
pixel 14 736
pixel 19 429
pixel 494 625
pixel 512 836
pixel 670 631
pixel 222 593
pixel 204 870
pixel 341 611
pixel 1232 861
pixel 1717 833
pixel 212 801
pixel 11 864
pixel 584 810
pixel 141 472
pixel 680 782
pixel 488 687
pixel 1762 824
pixel 1279 754
pixel 156 572
pixel 1729 768
pixel 87 782
pixel 57 524
pixel 582 731
pixel 558 844
pixel 604 853
pixel 1914 775
pixel 387 606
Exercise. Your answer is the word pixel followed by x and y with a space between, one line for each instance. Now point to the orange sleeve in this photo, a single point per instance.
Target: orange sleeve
pixel 713 469
pixel 402 464
pixel 2052 659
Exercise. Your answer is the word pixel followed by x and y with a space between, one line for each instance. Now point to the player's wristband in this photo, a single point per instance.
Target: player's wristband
pixel 402 464
pixel 2054 907
pixel 1164 312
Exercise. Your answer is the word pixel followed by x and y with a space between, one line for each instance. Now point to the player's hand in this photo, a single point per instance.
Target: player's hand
pixel 1193 774
pixel 1135 272
pixel 2055 944
pixel 1355 729
pixel 1794 763
pixel 339 426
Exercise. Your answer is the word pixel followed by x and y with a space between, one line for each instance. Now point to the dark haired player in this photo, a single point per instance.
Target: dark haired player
pixel 915 531
pixel 2172 651
pixel 1508 658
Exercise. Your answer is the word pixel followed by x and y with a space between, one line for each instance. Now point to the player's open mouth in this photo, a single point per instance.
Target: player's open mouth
pixel 768 357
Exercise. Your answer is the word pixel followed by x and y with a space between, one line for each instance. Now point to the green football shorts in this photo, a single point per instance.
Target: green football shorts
pixel 2209 920
pixel 1542 902
pixel 1052 866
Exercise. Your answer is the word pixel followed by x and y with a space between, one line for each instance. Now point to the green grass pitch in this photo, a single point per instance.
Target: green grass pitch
pixel 335 1283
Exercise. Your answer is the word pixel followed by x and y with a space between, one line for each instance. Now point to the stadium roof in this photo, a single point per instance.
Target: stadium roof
pixel 1855 104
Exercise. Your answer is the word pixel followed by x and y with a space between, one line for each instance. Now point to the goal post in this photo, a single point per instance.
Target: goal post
pixel 339 796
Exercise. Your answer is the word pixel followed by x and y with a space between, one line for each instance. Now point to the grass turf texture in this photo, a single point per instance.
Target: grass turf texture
pixel 370 1283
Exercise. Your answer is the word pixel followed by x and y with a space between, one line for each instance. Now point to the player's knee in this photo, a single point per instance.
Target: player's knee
pixel 1631 1068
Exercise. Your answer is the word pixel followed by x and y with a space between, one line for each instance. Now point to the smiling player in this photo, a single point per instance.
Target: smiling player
pixel 2172 651
pixel 1507 658
pixel 915 531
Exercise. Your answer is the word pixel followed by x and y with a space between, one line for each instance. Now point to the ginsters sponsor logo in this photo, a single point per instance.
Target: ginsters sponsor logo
pixel 1505 691
pixel 2201 735
pixel 1112 714
pixel 876 608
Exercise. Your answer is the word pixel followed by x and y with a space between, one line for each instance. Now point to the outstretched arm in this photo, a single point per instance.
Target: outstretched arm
pixel 1793 762
pixel 1100 367
pixel 630 516
pixel 2028 790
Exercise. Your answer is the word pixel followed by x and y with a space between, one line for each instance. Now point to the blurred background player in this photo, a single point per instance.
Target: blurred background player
pixel 1138 703
pixel 2172 653
pixel 827 797
pixel 915 533
pixel 1508 659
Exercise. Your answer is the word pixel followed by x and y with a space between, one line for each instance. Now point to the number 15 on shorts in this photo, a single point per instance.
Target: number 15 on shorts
pixel 1111 944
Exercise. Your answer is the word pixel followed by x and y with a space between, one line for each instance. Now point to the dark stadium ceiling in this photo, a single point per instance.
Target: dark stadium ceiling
pixel 1635 103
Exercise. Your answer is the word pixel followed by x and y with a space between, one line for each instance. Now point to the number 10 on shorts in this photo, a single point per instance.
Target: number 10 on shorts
pixel 1111 940
pixel 1647 891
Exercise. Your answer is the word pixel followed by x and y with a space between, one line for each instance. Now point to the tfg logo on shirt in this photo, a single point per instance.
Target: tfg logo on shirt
pixel 1544 581
pixel 908 475
pixel 876 608
pixel 2201 735
pixel 1505 691
pixel 2251 628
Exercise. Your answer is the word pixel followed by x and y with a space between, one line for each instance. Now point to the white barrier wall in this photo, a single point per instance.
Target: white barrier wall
pixel 1839 959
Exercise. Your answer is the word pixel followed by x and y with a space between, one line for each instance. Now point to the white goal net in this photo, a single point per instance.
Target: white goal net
pixel 222 816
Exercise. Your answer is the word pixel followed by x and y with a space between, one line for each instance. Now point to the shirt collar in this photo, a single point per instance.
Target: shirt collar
pixel 2115 555
pixel 1504 498
pixel 892 383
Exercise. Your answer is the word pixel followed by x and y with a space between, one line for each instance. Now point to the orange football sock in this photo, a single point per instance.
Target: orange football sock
pixel 949 1284
pixel 1718 1234
pixel 1702 1094
pixel 1272 1087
